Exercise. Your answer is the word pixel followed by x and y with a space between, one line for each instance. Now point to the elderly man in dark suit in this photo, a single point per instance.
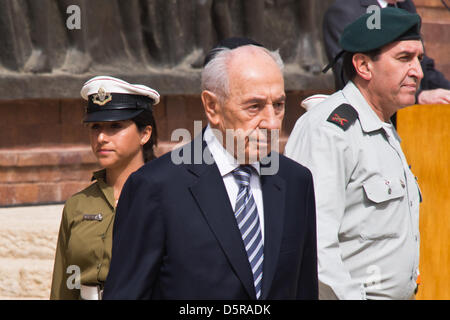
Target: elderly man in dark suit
pixel 225 222
pixel 434 88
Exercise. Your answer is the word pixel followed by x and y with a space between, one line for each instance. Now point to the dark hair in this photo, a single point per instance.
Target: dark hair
pixel 348 69
pixel 142 120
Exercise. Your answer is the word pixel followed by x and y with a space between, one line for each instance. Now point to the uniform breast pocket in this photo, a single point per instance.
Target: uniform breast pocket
pixel 383 214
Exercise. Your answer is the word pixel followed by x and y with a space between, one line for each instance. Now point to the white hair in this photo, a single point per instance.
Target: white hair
pixel 215 76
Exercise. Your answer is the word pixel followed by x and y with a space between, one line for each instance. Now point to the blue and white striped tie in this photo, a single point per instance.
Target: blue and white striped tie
pixel 247 219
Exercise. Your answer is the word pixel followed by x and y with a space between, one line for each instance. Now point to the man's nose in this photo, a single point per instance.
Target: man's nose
pixel 271 119
pixel 416 70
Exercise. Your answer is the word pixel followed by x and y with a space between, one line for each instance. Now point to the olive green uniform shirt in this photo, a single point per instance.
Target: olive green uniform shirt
pixel 85 240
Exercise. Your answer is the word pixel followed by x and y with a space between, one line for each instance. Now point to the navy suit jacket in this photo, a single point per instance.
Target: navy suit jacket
pixel 176 237
pixel 343 12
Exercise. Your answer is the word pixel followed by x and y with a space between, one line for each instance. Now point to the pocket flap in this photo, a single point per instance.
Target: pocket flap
pixel 379 189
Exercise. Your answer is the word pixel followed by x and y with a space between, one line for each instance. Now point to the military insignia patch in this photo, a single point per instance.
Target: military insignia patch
pixel 101 97
pixel 343 116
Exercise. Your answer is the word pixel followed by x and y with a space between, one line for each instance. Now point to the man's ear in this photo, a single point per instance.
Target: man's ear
pixel 363 65
pixel 212 107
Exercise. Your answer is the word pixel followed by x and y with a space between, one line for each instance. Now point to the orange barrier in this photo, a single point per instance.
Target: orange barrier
pixel 425 134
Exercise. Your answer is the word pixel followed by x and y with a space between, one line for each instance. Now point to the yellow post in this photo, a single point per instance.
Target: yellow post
pixel 425 134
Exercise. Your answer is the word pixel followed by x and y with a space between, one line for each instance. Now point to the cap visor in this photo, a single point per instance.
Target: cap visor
pixel 112 115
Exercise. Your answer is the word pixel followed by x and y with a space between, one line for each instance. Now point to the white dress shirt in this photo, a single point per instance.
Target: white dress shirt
pixel 226 164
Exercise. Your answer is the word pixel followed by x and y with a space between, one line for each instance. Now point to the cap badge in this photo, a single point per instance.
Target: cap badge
pixel 102 97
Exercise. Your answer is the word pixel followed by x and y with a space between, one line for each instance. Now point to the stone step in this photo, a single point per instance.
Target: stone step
pixel 28 238
pixel 29 232
pixel 25 278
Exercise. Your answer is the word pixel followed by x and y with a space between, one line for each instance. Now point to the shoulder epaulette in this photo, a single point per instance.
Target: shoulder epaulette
pixel 343 116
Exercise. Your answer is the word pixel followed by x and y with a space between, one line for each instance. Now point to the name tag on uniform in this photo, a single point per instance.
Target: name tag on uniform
pixel 93 217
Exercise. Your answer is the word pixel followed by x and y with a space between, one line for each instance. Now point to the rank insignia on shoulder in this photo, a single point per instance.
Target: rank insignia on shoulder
pixel 343 116
pixel 93 217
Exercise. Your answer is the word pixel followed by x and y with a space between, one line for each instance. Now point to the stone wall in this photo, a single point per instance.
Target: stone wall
pixel 27 250
pixel 436 32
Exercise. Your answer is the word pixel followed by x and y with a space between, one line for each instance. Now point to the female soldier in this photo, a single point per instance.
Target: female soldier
pixel 122 134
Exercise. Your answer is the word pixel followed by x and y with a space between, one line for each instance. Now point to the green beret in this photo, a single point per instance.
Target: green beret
pixel 394 25
pixel 367 34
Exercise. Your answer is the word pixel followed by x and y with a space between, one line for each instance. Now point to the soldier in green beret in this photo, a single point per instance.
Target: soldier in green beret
pixel 122 133
pixel 367 198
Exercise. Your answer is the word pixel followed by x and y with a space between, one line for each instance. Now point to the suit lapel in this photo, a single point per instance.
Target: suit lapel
pixel 273 190
pixel 211 195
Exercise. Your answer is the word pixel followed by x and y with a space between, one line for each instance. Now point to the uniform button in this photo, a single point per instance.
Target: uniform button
pixel 411 203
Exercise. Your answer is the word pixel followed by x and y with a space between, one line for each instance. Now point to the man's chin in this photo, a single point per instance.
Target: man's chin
pixel 407 99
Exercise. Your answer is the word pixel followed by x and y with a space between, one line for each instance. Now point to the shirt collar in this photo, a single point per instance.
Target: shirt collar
pixel 106 189
pixel 367 117
pixel 223 159
pixel 389 128
pixel 100 174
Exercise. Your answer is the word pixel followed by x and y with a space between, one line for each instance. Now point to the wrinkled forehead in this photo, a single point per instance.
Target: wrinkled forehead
pixel 253 71
pixel 251 61
pixel 407 46
pixel 248 54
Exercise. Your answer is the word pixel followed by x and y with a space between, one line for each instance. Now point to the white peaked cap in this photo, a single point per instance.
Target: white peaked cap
pixel 312 101
pixel 114 85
